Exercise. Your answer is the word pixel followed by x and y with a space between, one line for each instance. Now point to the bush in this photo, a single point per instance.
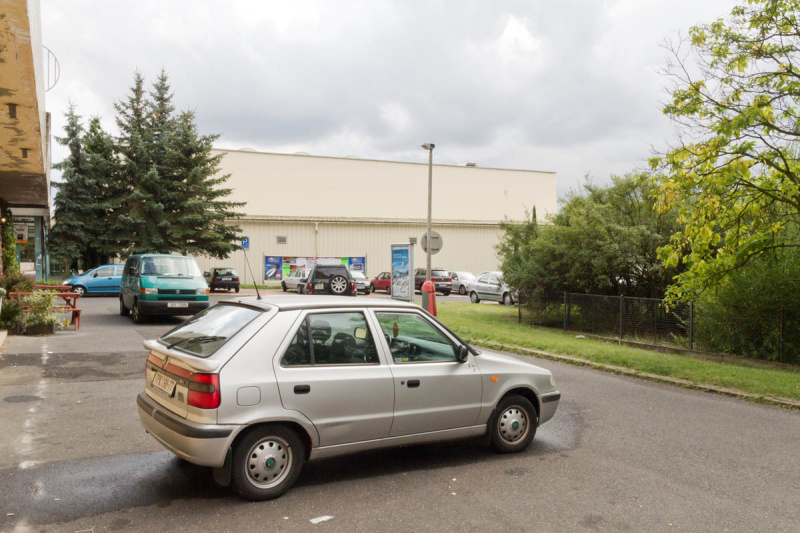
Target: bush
pixel 41 309
pixel 15 283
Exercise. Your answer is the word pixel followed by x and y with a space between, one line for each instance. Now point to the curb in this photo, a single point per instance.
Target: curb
pixel 781 402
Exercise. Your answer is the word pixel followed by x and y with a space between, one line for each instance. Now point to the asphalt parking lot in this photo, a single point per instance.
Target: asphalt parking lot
pixel 621 454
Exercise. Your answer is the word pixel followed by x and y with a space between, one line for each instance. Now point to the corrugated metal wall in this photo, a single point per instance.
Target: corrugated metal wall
pixel 466 247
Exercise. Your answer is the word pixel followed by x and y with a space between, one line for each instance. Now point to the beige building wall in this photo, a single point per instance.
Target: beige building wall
pixel 342 207
pixel 466 247
pixel 314 186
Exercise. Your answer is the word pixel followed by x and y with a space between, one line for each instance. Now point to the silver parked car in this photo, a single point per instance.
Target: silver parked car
pixel 295 278
pixel 462 282
pixel 255 388
pixel 490 286
pixel 362 282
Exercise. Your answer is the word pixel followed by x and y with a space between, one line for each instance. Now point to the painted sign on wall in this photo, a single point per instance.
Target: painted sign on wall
pixel 279 267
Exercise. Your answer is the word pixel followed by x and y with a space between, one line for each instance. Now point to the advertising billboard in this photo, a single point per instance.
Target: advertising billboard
pixel 273 267
pixel 402 272
pixel 278 267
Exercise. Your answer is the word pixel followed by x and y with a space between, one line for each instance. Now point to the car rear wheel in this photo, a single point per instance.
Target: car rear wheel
pixel 446 293
pixel 283 286
pixel 462 290
pixel 513 425
pixel 388 289
pixel 236 289
pixel 473 297
pixel 266 462
pixel 138 316
pixel 338 285
pixel 79 290
pixel 507 299
pixel 123 311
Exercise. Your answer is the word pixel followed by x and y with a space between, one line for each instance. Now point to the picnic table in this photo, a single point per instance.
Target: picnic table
pixel 59 288
pixel 70 304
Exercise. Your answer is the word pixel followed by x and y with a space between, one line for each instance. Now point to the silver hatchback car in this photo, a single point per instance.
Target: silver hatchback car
pixel 255 388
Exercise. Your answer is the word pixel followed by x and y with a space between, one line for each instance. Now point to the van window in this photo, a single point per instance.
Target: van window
pixel 169 266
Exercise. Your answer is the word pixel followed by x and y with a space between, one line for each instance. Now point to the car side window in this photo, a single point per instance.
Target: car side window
pixel 105 272
pixel 332 339
pixel 454 276
pixel 484 278
pixel 413 339
pixel 494 280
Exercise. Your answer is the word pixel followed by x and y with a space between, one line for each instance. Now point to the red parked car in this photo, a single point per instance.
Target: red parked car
pixel 382 282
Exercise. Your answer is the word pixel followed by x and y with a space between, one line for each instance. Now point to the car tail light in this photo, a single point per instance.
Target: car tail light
pixel 309 288
pixel 235 279
pixel 352 286
pixel 449 279
pixel 204 391
pixel 216 279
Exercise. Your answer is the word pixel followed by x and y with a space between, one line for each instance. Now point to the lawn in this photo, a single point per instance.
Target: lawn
pixel 497 323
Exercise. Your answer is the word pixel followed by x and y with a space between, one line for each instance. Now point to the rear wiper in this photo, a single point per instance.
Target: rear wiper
pixel 200 339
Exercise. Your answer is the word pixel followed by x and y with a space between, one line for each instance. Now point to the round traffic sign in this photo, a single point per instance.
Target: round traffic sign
pixel 436 242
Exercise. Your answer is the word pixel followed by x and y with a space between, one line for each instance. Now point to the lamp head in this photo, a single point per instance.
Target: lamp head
pixel 429 146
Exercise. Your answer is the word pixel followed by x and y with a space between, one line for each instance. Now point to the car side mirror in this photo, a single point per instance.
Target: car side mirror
pixel 94 275
pixel 462 354
pixel 206 274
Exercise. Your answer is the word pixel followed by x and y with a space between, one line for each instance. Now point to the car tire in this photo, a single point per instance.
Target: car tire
pixel 137 315
pixel 123 311
pixel 462 290
pixel 283 286
pixel 513 424
pixel 507 299
pixel 473 297
pixel 271 450
pixel 445 293
pixel 338 285
pixel 389 289
pixel 236 289
pixel 80 290
pixel 371 288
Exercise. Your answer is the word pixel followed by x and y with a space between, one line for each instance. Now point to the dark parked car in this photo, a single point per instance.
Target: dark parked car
pixel 222 278
pixel 329 279
pixel 440 278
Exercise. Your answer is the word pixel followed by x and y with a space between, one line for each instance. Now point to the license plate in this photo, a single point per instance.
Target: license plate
pixel 319 285
pixel 226 279
pixel 178 304
pixel 162 382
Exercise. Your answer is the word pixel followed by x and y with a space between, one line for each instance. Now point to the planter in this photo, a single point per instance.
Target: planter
pixel 41 329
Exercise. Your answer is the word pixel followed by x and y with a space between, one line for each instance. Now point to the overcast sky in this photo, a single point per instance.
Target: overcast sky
pixel 570 86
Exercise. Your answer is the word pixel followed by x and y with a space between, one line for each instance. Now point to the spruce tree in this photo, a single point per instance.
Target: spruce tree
pixel 73 238
pixel 102 167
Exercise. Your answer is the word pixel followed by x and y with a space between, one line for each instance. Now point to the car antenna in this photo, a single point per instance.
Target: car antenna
pixel 258 294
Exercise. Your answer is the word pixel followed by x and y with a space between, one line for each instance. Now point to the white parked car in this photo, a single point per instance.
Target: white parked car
pixel 362 282
pixel 295 278
pixel 255 388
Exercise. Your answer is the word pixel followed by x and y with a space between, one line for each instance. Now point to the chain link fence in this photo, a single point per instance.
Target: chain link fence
pixel 754 332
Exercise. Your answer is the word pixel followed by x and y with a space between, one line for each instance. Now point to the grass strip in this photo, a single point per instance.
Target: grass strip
pixel 498 324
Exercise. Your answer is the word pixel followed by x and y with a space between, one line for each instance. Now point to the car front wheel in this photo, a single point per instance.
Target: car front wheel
pixel 79 290
pixel 513 424
pixel 473 297
pixel 266 462
pixel 462 290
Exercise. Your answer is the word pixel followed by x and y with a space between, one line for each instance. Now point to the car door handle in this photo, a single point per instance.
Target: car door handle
pixel 302 389
pixel 413 383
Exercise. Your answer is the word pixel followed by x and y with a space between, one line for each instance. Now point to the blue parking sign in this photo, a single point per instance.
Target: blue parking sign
pixel 246 243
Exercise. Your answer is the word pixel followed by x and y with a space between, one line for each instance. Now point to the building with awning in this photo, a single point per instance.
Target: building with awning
pixel 24 132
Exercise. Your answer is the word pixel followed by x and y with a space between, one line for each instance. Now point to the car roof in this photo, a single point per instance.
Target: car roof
pixel 308 301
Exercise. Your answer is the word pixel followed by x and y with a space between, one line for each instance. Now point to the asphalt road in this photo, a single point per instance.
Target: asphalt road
pixel 621 454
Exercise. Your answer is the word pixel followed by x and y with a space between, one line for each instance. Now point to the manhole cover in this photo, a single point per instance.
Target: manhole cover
pixel 21 399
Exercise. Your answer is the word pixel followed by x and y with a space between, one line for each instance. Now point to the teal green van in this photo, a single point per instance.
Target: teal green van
pixel 158 284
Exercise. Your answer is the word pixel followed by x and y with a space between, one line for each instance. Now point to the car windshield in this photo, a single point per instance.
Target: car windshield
pixel 209 330
pixel 358 274
pixel 170 266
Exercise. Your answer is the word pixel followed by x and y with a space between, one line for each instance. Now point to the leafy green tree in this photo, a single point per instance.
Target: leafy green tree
pixel 734 177
pixel 604 240
pixel 10 264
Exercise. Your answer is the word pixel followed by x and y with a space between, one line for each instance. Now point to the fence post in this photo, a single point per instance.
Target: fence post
pixel 566 312
pixel 519 309
pixel 691 325
pixel 780 339
pixel 621 316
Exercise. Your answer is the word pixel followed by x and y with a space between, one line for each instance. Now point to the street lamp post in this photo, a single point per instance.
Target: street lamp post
pixel 429 147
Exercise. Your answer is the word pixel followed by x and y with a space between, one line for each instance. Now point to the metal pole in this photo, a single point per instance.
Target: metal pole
pixel 430 203
pixel 780 341
pixel 566 312
pixel 691 325
pixel 621 309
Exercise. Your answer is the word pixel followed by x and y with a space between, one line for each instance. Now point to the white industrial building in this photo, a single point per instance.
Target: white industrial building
pixel 301 207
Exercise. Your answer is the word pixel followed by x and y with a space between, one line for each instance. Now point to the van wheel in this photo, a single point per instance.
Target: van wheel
pixel 123 311
pixel 266 462
pixel 138 316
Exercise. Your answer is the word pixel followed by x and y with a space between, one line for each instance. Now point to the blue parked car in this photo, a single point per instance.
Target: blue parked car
pixel 104 279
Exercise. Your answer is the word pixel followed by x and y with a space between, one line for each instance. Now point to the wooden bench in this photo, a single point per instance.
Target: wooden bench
pixel 70 305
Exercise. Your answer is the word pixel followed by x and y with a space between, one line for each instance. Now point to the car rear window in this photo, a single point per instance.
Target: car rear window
pixel 207 331
pixel 329 272
pixel 226 272
pixel 440 274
